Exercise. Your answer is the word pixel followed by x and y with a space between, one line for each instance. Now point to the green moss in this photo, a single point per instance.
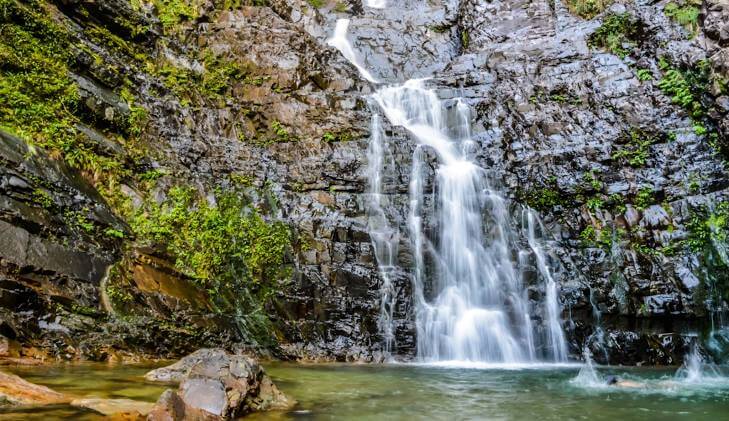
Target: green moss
pixel 592 180
pixel 686 14
pixel 595 203
pixel 39 101
pixel 465 39
pixel 213 83
pixel 644 198
pixel 344 136
pixel 588 9
pixel 602 238
pixel 225 246
pixel 78 221
pixel 644 75
pixel 686 86
pixel 317 4
pixel 544 198
pixel 113 233
pixel 588 235
pixel 618 34
pixel 115 43
pixel 636 148
pixel 42 198
pixel 708 229
pixel 173 12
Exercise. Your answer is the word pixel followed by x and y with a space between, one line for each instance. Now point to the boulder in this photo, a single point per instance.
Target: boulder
pixel 215 384
pixel 16 391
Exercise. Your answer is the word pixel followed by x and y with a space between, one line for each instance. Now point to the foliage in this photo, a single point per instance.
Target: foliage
pixel 343 136
pixel 617 34
pixel 212 83
pixel 172 12
pixel 686 14
pixel 542 199
pixel 637 149
pixel 644 75
pixel 224 246
pixel 644 198
pixel 40 102
pixel 588 9
pixel 685 87
pixel 593 180
pixel 465 39
pixel 42 198
pixel 707 227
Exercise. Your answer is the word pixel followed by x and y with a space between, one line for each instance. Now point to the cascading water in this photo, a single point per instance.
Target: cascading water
pixel 384 237
pixel 476 307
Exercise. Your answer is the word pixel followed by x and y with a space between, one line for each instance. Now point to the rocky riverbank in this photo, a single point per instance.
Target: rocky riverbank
pixel 213 385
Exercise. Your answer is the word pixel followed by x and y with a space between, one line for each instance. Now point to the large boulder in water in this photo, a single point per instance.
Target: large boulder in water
pixel 215 384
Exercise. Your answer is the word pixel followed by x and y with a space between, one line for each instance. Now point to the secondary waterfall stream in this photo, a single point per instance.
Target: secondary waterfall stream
pixel 469 288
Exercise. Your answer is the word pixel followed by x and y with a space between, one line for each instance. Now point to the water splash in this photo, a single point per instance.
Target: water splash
pixel 588 377
pixel 696 370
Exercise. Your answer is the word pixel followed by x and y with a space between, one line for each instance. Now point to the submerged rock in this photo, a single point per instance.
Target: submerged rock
pixel 215 384
pixel 16 391
pixel 115 407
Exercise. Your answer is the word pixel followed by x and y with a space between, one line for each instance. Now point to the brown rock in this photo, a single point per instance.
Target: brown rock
pixel 115 407
pixel 17 391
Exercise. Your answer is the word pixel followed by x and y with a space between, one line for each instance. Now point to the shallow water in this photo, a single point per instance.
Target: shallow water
pixel 376 392
pixel 84 380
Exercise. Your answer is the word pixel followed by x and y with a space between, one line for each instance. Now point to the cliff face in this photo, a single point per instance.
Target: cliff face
pixel 219 97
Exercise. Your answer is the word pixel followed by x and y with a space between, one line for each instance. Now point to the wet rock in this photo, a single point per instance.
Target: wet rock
pixel 115 407
pixel 655 216
pixel 17 391
pixel 217 383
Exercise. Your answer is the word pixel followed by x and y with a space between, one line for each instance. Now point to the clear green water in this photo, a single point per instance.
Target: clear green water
pixel 407 392
pixel 84 380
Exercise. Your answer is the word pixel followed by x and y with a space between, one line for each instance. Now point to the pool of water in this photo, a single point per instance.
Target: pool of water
pixel 84 380
pixel 406 392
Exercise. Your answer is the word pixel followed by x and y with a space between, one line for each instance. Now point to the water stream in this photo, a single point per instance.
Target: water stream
pixel 469 291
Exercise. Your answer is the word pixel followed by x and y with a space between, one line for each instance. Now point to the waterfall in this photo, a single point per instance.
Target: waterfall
pixel 555 335
pixel 376 4
pixel 340 42
pixel 470 297
pixel 384 238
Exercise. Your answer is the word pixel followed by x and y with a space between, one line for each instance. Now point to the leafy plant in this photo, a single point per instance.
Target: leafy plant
pixel 644 198
pixel 219 246
pixel 617 34
pixel 686 14
pixel 637 149
pixel 588 9
pixel 644 75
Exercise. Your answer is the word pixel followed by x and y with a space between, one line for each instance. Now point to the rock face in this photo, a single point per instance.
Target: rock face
pixel 215 385
pixel 590 138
